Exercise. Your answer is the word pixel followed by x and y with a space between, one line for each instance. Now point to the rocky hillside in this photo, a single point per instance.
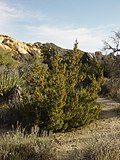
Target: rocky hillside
pixel 23 48
pixel 9 43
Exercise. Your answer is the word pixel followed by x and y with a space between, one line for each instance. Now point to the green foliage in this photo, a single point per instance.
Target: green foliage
pixel 55 97
pixel 34 96
pixel 10 97
pixel 7 60
pixel 46 95
pixel 56 94
pixel 80 103
pixel 107 65
pixel 8 82
pixel 111 68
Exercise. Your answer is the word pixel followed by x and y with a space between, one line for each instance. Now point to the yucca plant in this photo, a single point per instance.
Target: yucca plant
pixel 9 80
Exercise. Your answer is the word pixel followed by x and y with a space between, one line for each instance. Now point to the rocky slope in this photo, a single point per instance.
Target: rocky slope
pixel 24 48
pixel 9 43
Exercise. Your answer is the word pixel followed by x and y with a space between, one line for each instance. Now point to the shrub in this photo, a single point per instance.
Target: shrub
pixel 10 97
pixel 9 80
pixel 45 96
pixel 111 88
pixel 6 59
pixel 111 64
pixel 55 97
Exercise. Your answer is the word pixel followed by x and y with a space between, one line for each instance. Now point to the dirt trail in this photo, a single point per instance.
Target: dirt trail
pixel 110 108
pixel 106 128
pixel 107 101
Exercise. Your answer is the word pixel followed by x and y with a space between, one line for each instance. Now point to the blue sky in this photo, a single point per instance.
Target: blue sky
pixel 61 21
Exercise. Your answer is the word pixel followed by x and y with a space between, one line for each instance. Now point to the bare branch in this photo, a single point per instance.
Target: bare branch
pixel 107 46
pixel 114 46
pixel 117 34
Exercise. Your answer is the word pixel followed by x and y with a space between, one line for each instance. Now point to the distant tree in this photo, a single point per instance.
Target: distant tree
pixel 113 45
pixel 111 66
pixel 111 61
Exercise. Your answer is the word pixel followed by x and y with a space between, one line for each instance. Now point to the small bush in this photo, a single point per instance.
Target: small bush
pixel 9 116
pixel 111 88
pixel 10 97
pixel 9 81
pixel 6 59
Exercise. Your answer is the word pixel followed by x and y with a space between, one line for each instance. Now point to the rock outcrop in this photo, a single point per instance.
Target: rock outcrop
pixel 18 47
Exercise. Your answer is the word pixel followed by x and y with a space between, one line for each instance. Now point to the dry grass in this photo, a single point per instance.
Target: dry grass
pixel 97 151
pixel 98 141
pixel 97 146
pixel 89 144
pixel 19 146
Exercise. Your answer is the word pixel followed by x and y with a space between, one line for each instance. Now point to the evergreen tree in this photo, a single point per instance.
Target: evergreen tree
pixel 55 97
pixel 46 94
pixel 56 93
pixel 80 104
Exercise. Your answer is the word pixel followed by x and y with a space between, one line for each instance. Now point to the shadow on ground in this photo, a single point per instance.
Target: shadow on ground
pixel 111 113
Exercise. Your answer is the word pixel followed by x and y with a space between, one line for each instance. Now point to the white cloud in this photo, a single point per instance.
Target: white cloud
pixel 90 39
pixel 16 22
pixel 11 15
pixel 16 11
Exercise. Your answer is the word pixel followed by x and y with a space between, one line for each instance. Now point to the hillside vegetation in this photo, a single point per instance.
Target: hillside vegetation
pixel 58 93
pixel 47 89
